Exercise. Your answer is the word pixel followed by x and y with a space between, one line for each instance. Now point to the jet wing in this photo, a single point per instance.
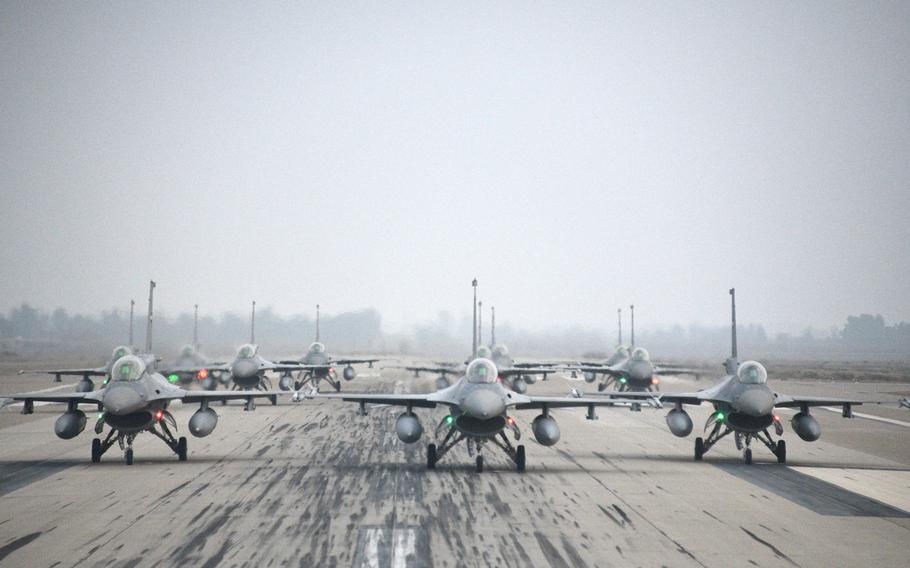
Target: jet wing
pixel 513 371
pixel 437 370
pixel 189 396
pixel 417 400
pixel 590 369
pixel 668 370
pixel 659 397
pixel 541 402
pixel 354 361
pixel 93 397
pixel 96 372
pixel 787 401
pixel 284 367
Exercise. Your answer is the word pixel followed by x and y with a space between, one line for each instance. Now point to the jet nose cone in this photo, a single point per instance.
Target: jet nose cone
pixel 483 404
pixel 122 400
pixel 755 402
pixel 244 369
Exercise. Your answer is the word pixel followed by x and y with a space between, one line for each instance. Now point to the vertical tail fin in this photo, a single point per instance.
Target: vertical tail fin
pixel 619 321
pixel 479 323
pixel 132 306
pixel 492 326
pixel 632 309
pixel 733 353
pixel 196 326
pixel 474 339
pixel 151 317
pixel 317 322
pixel 732 364
pixel 253 324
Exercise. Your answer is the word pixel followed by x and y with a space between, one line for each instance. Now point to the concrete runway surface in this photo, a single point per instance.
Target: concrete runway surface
pixel 313 484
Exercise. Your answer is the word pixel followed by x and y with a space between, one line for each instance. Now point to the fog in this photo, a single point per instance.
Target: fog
pixel 574 157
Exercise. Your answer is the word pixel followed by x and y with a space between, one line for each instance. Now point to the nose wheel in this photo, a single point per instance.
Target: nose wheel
pixel 479 464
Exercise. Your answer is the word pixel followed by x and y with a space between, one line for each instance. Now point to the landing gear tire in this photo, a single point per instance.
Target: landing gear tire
pixel 181 449
pixel 479 463
pixel 129 456
pixel 337 387
pixel 431 456
pixel 781 452
pixel 699 449
pixel 96 450
pixel 747 456
pixel 520 458
pixel 601 387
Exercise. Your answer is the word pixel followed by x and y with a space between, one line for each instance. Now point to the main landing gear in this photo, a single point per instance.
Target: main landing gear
pixel 475 446
pixel 125 440
pixel 308 378
pixel 743 442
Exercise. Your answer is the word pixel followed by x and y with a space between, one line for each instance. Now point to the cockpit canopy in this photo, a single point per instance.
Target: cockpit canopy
pixel 128 368
pixel 246 351
pixel 188 351
pixel 481 371
pixel 501 351
pixel 640 354
pixel 622 351
pixel 752 373
pixel 317 347
pixel 484 352
pixel 120 351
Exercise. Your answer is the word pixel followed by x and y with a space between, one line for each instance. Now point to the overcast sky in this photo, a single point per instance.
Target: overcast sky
pixel 572 156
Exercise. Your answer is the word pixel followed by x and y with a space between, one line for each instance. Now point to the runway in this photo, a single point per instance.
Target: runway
pixel 313 484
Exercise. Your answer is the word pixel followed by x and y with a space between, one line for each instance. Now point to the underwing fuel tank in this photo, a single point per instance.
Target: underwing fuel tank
pixel 546 430
pixel 203 422
pixel 349 373
pixel 408 428
pixel 70 424
pixel 806 427
pixel 679 422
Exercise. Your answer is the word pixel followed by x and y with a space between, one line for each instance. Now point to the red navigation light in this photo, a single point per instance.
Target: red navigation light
pixel 776 418
pixel 159 414
pixel 510 421
pixel 655 380
pixel 202 374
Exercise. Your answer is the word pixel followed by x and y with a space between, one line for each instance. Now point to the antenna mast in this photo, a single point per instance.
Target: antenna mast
pixel 632 309
pixel 132 305
pixel 493 326
pixel 317 322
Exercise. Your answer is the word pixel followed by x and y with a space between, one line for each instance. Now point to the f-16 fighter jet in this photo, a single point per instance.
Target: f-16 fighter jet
pixel 744 405
pixel 134 401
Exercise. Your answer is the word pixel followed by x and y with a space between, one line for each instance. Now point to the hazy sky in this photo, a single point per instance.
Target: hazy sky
pixel 572 156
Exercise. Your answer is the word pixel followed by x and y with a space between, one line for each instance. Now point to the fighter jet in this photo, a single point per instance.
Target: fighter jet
pixel 321 367
pixel 86 384
pixel 744 405
pixel 190 364
pixel 247 370
pixel 479 413
pixel 134 401
pixel 630 369
pixel 517 375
